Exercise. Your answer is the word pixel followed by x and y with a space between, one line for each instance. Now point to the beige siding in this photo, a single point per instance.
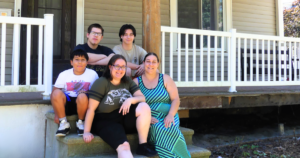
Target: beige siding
pixel 255 16
pixel 7 4
pixel 113 14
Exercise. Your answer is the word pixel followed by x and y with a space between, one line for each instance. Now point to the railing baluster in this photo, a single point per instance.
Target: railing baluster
pixel 208 58
pixel 179 56
pixel 201 57
pixel 285 60
pixel 274 60
pixel 245 60
pixel 216 59
pixel 163 67
pixel 228 58
pixel 28 53
pixel 171 55
pixel 269 60
pixel 251 59
pixel 295 62
pixel 263 59
pixel 257 59
pixel 194 57
pixel 298 66
pixel 40 55
pixel 16 54
pixel 279 60
pixel 290 60
pixel 239 59
pixel 222 59
pixel 3 51
pixel 186 57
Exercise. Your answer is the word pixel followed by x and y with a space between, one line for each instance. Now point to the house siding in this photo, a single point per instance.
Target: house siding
pixel 255 16
pixel 7 4
pixel 113 14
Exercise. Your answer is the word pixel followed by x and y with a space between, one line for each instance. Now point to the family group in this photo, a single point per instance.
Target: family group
pixel 116 92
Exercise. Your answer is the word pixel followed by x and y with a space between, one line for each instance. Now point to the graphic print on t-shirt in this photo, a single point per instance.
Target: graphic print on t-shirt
pixel 77 86
pixel 121 94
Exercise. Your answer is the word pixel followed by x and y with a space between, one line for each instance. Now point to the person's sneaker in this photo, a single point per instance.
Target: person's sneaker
pixel 80 127
pixel 146 150
pixel 64 128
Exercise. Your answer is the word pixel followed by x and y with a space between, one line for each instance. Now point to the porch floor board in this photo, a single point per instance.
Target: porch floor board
pixel 37 98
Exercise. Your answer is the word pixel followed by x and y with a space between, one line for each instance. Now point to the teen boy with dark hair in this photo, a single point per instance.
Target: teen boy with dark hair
pixel 98 55
pixel 69 95
pixel 134 54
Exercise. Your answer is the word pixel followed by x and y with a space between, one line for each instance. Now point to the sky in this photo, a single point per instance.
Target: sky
pixel 287 3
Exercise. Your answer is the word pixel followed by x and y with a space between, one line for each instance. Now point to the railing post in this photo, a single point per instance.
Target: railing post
pixel 16 54
pixel 233 61
pixel 48 55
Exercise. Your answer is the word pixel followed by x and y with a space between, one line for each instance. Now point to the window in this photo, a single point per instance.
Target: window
pixel 200 14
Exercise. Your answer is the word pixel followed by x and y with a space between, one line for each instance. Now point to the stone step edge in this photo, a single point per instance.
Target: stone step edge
pixel 194 150
pixel 50 115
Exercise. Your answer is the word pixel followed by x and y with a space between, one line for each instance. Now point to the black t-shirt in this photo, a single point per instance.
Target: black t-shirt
pixel 99 50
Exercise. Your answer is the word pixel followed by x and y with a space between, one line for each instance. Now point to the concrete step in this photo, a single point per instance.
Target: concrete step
pixel 73 145
pixel 196 152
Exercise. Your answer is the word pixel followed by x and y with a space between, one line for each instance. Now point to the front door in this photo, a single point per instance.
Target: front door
pixel 64 34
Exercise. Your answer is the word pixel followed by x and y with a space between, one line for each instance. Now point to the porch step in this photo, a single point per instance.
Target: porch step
pixel 73 145
pixel 196 152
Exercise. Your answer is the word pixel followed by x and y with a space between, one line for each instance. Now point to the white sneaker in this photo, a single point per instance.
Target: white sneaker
pixel 64 128
pixel 80 127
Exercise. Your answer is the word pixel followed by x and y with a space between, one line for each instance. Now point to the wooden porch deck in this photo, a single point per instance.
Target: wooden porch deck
pixel 199 97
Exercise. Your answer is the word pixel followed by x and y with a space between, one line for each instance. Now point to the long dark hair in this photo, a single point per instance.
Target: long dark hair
pixel 111 62
pixel 151 53
pixel 124 28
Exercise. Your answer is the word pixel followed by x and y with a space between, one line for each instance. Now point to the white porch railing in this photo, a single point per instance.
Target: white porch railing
pixel 215 58
pixel 45 57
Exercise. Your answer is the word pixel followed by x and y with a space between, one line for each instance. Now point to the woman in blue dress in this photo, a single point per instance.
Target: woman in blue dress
pixel 162 96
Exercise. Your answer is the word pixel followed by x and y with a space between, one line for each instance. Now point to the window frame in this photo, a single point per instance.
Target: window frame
pixel 227 19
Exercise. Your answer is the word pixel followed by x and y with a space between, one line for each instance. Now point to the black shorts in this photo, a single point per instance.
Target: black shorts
pixel 71 105
pixel 113 127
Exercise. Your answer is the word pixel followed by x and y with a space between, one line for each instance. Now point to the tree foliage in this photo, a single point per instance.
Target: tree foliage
pixel 292 20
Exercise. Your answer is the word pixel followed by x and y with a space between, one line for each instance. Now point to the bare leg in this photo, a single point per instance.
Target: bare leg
pixel 143 114
pixel 82 105
pixel 58 101
pixel 124 151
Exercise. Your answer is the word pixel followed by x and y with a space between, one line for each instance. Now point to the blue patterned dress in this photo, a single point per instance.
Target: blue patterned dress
pixel 168 142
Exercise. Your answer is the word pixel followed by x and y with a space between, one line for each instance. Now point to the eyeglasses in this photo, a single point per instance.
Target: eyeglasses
pixel 96 33
pixel 117 67
pixel 149 62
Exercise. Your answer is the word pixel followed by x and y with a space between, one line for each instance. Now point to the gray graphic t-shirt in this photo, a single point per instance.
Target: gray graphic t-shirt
pixel 110 96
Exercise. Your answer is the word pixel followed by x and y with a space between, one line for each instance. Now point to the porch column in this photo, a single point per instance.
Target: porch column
pixel 151 26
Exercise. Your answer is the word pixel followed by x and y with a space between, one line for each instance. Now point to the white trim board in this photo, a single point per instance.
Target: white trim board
pixel 80 22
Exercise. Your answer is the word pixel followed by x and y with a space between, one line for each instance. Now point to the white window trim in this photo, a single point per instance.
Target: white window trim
pixel 17 7
pixel 279 18
pixel 80 22
pixel 227 17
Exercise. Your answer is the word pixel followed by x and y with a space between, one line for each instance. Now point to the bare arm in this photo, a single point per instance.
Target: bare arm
pixel 132 66
pixel 95 57
pixel 137 97
pixel 103 61
pixel 93 104
pixel 175 101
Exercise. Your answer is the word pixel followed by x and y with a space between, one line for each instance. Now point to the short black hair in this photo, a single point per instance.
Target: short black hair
pixel 124 28
pixel 151 53
pixel 79 52
pixel 111 62
pixel 96 25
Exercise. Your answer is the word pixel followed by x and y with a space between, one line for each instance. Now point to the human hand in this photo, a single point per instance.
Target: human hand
pixel 153 120
pixel 125 106
pixel 140 70
pixel 169 119
pixel 81 91
pixel 87 137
